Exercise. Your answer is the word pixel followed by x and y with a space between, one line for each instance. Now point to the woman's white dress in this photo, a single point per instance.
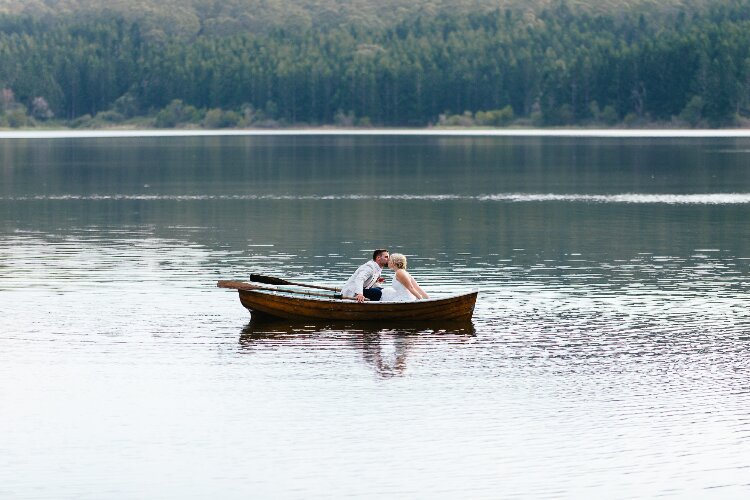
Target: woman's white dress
pixel 396 293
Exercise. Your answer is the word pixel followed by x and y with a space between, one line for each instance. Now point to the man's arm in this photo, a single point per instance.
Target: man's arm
pixel 362 274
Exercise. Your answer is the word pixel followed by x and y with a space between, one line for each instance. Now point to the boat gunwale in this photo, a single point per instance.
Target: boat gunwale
pixel 292 295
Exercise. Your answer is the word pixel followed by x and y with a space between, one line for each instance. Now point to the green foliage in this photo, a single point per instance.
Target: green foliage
pixel 217 118
pixel 553 64
pixel 110 116
pixel 176 113
pixel 163 19
pixel 126 105
pixel 492 118
pixel 495 117
pixel 608 115
pixel 18 118
pixel 342 119
pixel 463 120
pixel 83 121
pixel 693 112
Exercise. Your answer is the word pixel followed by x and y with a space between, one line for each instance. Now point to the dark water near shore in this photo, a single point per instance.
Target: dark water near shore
pixel 609 353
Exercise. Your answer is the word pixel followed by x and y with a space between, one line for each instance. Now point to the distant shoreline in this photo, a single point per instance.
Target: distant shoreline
pixel 431 132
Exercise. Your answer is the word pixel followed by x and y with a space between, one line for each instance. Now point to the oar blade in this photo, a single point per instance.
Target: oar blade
pixel 234 284
pixel 269 280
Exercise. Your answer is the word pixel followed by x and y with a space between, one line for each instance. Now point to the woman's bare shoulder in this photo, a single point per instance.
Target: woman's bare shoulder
pixel 402 274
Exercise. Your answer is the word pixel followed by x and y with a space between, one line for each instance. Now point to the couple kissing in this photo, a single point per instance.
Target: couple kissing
pixel 363 284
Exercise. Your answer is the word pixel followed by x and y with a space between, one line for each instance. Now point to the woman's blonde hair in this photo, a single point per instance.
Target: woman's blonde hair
pixel 398 259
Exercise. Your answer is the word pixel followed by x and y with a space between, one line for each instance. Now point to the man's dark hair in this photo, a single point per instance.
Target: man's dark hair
pixel 377 253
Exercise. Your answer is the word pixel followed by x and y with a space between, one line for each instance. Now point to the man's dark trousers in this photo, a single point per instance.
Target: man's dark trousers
pixel 373 293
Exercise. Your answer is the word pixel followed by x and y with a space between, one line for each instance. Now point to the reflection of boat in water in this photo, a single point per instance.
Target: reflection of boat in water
pixel 384 346
pixel 266 327
pixel 458 307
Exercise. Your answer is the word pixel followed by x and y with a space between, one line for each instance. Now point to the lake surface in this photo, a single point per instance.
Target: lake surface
pixel 609 355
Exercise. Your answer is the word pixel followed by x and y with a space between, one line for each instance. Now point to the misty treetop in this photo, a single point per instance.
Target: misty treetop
pixel 190 18
pixel 553 66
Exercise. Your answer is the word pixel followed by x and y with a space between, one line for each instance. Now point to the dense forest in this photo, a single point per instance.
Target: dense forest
pixel 189 18
pixel 391 63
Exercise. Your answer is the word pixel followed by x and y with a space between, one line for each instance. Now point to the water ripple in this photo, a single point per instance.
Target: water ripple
pixel 595 374
pixel 629 198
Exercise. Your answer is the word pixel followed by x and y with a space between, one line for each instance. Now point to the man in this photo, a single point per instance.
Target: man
pixel 362 283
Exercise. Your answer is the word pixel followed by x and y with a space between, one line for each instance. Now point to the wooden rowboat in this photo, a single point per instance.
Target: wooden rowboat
pixel 453 308
pixel 274 305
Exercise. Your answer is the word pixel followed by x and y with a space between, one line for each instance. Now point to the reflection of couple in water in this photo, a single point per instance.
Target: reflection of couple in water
pixel 385 350
pixel 363 284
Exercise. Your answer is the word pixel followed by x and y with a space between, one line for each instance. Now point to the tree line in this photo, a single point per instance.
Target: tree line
pixel 553 67
pixel 189 18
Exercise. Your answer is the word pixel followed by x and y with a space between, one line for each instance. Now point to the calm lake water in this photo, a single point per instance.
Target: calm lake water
pixel 609 354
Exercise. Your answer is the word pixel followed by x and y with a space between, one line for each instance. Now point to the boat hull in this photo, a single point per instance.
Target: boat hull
pixel 264 304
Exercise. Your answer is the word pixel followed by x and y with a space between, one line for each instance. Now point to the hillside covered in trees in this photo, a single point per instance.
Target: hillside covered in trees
pixel 189 18
pixel 388 63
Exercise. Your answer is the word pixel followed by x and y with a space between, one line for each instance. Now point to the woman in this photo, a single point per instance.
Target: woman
pixel 404 288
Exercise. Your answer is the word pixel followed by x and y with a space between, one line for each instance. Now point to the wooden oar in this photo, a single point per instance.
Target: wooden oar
pixel 270 280
pixel 241 285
